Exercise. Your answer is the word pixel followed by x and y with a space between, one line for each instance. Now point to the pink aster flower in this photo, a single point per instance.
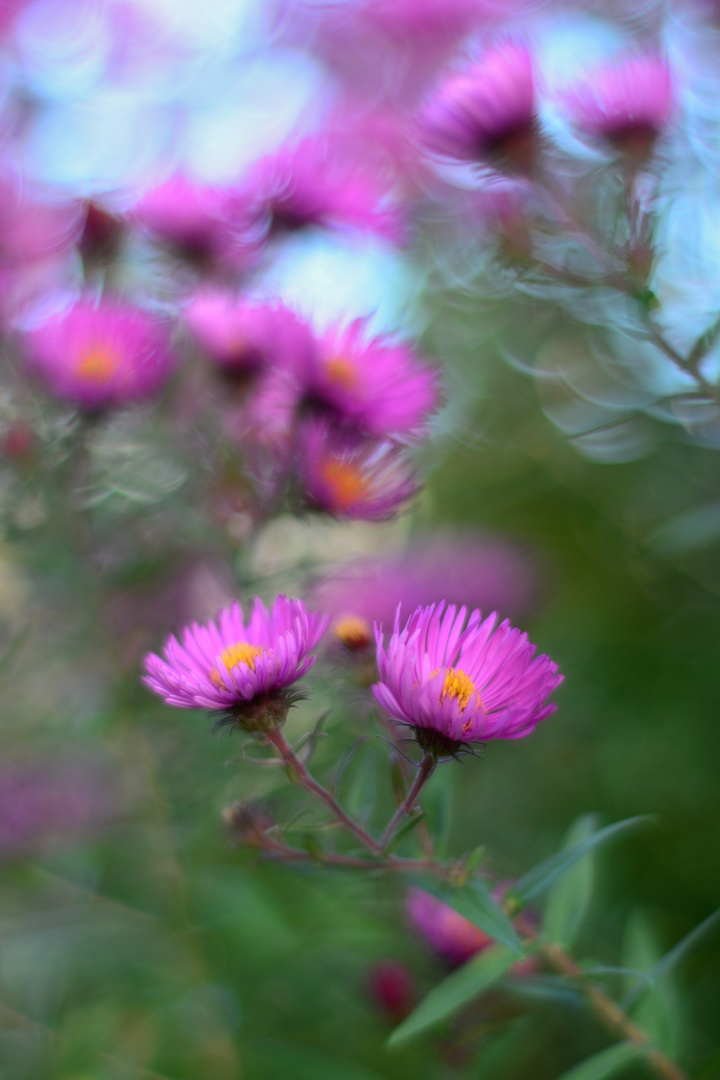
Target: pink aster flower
pixel 101 354
pixel 240 668
pixel 317 182
pixel 352 477
pixel 465 680
pixel 487 112
pixel 629 104
pixel 449 933
pixel 246 336
pixel 373 384
pixel 200 221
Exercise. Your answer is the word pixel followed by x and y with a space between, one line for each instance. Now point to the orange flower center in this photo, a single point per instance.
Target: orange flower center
pixel 341 372
pixel 353 631
pixel 242 652
pixel 346 482
pixel 458 685
pixel 97 363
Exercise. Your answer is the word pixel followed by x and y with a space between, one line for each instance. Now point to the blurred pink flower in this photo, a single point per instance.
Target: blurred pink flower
pixel 466 679
pixel 230 664
pixel 371 383
pixel 392 988
pixel 101 354
pixel 318 181
pixel 487 572
pixel 245 336
pixel 628 103
pixel 199 221
pixel 42 802
pixel 487 113
pixel 450 934
pixel 351 477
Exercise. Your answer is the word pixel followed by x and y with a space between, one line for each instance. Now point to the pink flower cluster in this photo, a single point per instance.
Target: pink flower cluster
pixel 487 113
pixel 333 411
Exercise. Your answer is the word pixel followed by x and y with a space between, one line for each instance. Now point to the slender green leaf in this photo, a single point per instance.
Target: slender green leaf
pixel 407 828
pixel 474 901
pixel 659 1012
pixel 607 1063
pixel 454 991
pixel 567 903
pixel 549 869
pixel 671 958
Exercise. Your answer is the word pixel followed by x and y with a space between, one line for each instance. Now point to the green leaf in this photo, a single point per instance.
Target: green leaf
pixel 454 991
pixel 710 1068
pixel 659 1011
pixel 474 901
pixel 607 1063
pixel 567 903
pixel 407 828
pixel 549 869
pixel 672 957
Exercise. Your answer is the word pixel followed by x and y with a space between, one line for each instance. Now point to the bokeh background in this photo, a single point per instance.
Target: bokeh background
pixel 569 462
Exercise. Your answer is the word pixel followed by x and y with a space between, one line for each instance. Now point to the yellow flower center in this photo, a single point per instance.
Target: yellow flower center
pixel 353 631
pixel 346 482
pixel 458 685
pixel 97 363
pixel 341 372
pixel 242 652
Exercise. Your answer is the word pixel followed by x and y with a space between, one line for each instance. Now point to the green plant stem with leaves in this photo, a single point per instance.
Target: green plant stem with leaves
pixel 453 879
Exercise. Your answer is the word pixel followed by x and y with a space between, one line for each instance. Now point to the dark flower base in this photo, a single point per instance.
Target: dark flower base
pixel 440 746
pixel 260 714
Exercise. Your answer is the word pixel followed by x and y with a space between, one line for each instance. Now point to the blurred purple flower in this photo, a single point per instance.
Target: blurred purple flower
pixel 488 573
pixel 353 477
pixel 244 336
pixel 372 384
pixel 199 221
pixel 392 988
pixel 487 113
pixel 628 103
pixel 466 679
pixel 449 933
pixel 45 802
pixel 101 354
pixel 318 182
pixel 232 666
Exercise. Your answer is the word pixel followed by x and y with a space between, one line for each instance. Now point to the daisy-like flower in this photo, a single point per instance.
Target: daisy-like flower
pixel 487 113
pixel 314 182
pixel 449 933
pixel 629 104
pixel 459 680
pixel 101 354
pixel 244 336
pixel 351 477
pixel 241 669
pixel 198 221
pixel 370 383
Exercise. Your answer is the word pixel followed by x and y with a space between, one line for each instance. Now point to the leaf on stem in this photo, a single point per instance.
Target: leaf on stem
pixel 407 828
pixel 542 875
pixel 671 958
pixel 659 1012
pixel 567 903
pixel 456 990
pixel 607 1063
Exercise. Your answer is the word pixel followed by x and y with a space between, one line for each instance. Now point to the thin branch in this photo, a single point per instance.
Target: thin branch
pixel 425 771
pixel 276 738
